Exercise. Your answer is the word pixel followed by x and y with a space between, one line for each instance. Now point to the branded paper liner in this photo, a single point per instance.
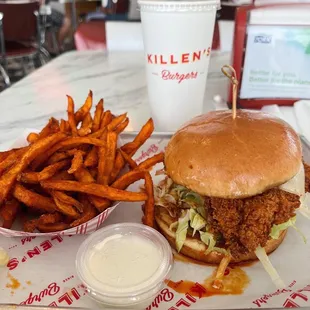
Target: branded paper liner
pixel 85 228
pixel 48 263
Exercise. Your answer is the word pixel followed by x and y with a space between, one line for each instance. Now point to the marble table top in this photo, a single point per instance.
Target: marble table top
pixel 118 77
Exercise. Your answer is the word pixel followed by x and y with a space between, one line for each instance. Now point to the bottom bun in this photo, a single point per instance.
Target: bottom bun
pixel 196 249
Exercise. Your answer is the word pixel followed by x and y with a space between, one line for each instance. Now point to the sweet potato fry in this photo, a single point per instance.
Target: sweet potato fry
pixel 94 189
pixel 152 161
pixel 85 108
pixel 66 144
pixel 118 166
pixel 63 207
pixel 91 159
pixel 140 139
pixel 86 125
pixel 8 213
pixel 132 147
pixel 149 208
pixel 58 156
pixel 68 199
pixel 11 159
pixel 30 225
pixel 84 176
pixel 122 183
pixel 47 228
pixel 102 154
pixel 94 172
pixel 80 149
pixel 49 218
pixel 109 158
pixel 121 127
pixel 97 134
pixel 7 180
pixel 32 137
pixel 5 154
pixel 132 164
pixel 77 161
pixel 33 200
pixel 116 121
pixel 88 213
pixel 71 118
pixel 128 178
pixel 62 175
pixel 97 116
pixel 70 143
pixel 46 173
pixel 64 126
pixel 51 127
pixel 106 119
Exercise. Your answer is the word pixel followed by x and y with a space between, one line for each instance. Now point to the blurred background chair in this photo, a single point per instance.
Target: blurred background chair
pixel 20 34
pixel 3 71
pixel 91 34
pixel 50 28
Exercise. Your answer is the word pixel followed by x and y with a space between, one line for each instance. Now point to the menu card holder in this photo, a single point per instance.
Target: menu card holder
pixel 271 54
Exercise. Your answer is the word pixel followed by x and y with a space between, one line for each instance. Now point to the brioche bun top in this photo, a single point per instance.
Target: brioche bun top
pixel 218 156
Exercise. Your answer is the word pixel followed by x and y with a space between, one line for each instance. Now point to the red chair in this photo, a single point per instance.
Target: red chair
pixel 20 35
pixel 90 36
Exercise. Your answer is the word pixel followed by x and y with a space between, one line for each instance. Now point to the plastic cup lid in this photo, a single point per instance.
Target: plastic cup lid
pixel 178 5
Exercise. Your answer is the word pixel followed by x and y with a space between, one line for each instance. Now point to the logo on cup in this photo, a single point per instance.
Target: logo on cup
pixel 176 61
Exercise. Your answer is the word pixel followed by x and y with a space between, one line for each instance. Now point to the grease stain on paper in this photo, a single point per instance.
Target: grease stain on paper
pixel 235 282
pixel 14 284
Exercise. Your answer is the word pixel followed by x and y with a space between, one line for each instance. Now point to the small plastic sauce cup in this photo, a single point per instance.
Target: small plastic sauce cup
pixel 124 265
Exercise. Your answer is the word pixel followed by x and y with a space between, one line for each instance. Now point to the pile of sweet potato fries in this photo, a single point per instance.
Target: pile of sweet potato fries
pixel 73 170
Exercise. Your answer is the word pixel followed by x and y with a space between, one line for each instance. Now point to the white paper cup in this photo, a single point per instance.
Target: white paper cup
pixel 177 39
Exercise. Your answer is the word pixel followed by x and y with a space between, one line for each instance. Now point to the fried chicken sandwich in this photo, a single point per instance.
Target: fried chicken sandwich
pixel 232 188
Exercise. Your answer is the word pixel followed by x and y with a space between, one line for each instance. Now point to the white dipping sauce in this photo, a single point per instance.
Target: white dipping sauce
pixel 122 263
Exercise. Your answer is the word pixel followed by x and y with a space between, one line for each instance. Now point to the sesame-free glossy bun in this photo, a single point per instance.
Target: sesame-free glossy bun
pixel 218 156
pixel 196 249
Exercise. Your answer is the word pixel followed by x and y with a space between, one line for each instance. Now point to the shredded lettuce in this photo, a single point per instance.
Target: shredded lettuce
pixel 276 229
pixel 301 234
pixel 172 196
pixel 304 208
pixel 168 194
pixel 221 250
pixel 183 194
pixel 208 239
pixel 165 199
pixel 179 191
pixel 182 231
pixel 192 214
pixel 193 199
pixel 264 259
pixel 202 211
pixel 197 222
